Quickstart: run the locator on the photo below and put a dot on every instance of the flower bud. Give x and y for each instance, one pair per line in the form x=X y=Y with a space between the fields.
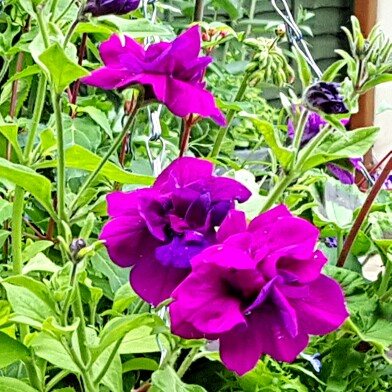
x=106 y=7
x=325 y=97
x=76 y=246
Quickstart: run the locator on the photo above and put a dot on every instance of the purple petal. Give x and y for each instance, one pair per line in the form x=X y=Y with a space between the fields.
x=267 y=218
x=128 y=240
x=112 y=50
x=223 y=188
x=286 y=311
x=276 y=340
x=235 y=222
x=179 y=253
x=323 y=310
x=344 y=176
x=212 y=310
x=154 y=282
x=107 y=78
x=241 y=348
x=183 y=172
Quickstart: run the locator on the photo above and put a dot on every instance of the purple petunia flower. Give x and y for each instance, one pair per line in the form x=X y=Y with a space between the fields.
x=159 y=229
x=325 y=97
x=170 y=71
x=107 y=7
x=260 y=291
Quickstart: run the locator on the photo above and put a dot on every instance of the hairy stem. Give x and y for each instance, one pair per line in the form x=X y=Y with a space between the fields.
x=56 y=379
x=223 y=130
x=16 y=233
x=187 y=361
x=364 y=212
x=198 y=12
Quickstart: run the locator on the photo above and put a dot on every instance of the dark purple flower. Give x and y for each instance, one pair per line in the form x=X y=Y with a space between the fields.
x=312 y=127
x=172 y=70
x=159 y=229
x=325 y=97
x=343 y=174
x=107 y=7
x=260 y=291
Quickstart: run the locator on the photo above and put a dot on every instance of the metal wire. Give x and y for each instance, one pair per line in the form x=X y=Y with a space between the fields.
x=153 y=116
x=295 y=36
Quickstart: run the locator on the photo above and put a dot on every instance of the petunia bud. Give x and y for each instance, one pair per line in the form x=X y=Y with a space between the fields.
x=76 y=246
x=106 y=7
x=325 y=97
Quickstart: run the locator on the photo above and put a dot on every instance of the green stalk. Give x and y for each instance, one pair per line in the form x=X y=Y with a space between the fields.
x=187 y=361
x=104 y=370
x=300 y=129
x=114 y=145
x=16 y=233
x=64 y=313
x=4 y=68
x=56 y=101
x=77 y=307
x=53 y=9
x=296 y=171
x=39 y=105
x=56 y=379
x=223 y=130
x=42 y=26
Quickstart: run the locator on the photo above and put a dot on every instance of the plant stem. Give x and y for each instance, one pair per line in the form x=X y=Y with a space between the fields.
x=56 y=101
x=39 y=105
x=198 y=11
x=64 y=313
x=104 y=370
x=185 y=135
x=56 y=379
x=42 y=26
x=66 y=9
x=364 y=212
x=77 y=307
x=16 y=234
x=296 y=171
x=187 y=361
x=114 y=145
x=82 y=50
x=53 y=9
x=71 y=30
x=4 y=68
x=299 y=131
x=223 y=130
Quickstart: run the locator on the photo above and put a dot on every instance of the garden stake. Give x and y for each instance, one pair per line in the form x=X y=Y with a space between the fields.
x=364 y=212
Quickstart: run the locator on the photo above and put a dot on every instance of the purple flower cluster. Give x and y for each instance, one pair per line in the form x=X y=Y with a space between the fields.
x=171 y=72
x=159 y=229
x=107 y=7
x=259 y=291
x=257 y=288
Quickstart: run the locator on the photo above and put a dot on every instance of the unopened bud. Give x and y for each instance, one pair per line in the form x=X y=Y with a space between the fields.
x=205 y=37
x=224 y=33
x=212 y=31
x=76 y=246
x=280 y=31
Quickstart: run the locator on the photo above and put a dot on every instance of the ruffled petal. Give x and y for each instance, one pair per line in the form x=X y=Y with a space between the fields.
x=154 y=282
x=269 y=217
x=128 y=240
x=234 y=223
x=323 y=310
x=107 y=78
x=241 y=348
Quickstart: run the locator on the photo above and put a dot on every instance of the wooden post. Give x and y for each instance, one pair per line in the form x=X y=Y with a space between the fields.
x=366 y=12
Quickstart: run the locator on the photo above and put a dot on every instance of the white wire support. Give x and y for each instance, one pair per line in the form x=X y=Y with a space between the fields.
x=155 y=129
x=295 y=35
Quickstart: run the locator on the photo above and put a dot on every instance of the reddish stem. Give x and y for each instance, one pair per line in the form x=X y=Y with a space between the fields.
x=75 y=91
x=364 y=212
x=188 y=124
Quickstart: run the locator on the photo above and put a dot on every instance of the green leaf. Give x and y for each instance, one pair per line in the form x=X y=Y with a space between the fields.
x=8 y=384
x=39 y=186
x=28 y=71
x=117 y=276
x=332 y=71
x=4 y=234
x=139 y=364
x=376 y=81
x=381 y=229
x=5 y=210
x=62 y=70
x=29 y=298
x=304 y=71
x=33 y=249
x=11 y=350
x=284 y=155
x=142 y=340
x=79 y=157
x=232 y=7
x=10 y=132
x=167 y=380
x=353 y=144
x=99 y=117
x=49 y=348
x=5 y=310
x=113 y=377
x=124 y=298
x=118 y=327
x=40 y=263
